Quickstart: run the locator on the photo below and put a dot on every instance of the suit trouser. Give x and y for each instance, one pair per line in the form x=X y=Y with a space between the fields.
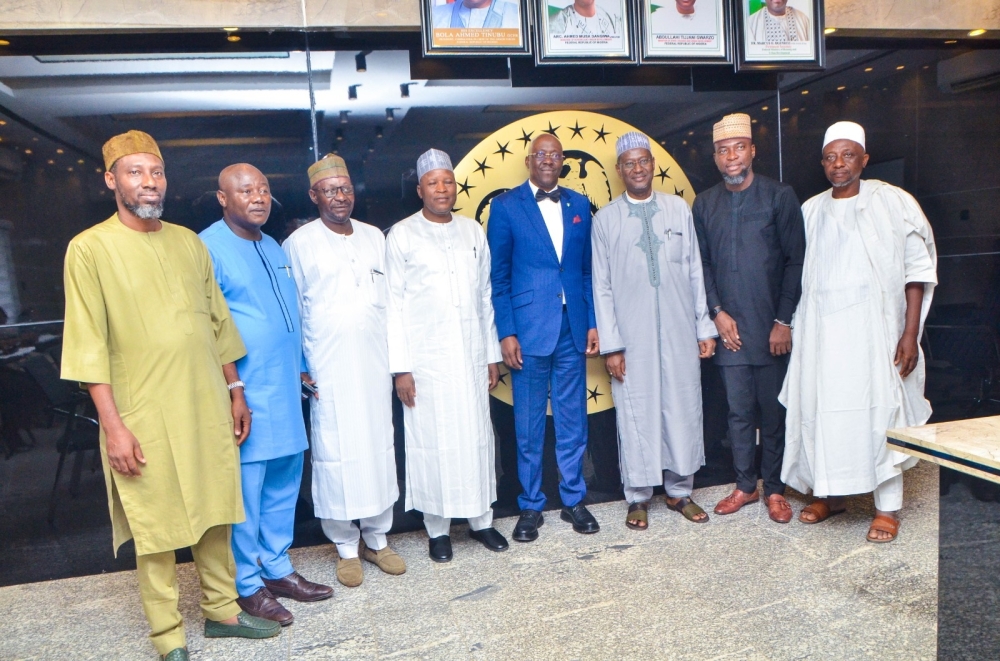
x=438 y=525
x=750 y=388
x=261 y=543
x=345 y=534
x=566 y=369
x=213 y=557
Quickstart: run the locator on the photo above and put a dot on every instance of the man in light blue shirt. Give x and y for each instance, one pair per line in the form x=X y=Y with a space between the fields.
x=255 y=279
x=477 y=14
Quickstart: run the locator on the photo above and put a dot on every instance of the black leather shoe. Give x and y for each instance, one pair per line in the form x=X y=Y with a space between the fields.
x=490 y=538
x=527 y=526
x=581 y=518
x=440 y=548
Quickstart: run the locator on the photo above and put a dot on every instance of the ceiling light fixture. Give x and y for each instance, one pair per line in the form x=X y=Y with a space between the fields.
x=233 y=38
x=59 y=151
x=4 y=42
x=829 y=30
x=784 y=110
x=805 y=92
x=404 y=90
x=80 y=161
x=390 y=115
x=764 y=108
x=868 y=69
x=977 y=32
x=51 y=162
x=230 y=29
x=27 y=151
x=360 y=63
x=352 y=92
x=952 y=41
x=842 y=88
x=343 y=116
x=900 y=67
x=371 y=148
x=340 y=135
x=378 y=131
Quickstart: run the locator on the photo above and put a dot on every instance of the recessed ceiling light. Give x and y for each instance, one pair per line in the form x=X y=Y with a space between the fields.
x=80 y=161
x=753 y=121
x=27 y=151
x=97 y=170
x=764 y=108
x=230 y=29
x=784 y=110
x=952 y=41
x=3 y=123
x=59 y=151
x=690 y=132
x=900 y=67
x=842 y=88
x=4 y=42
x=684 y=142
x=69 y=169
x=867 y=69
x=829 y=30
x=977 y=32
x=51 y=162
x=233 y=38
x=805 y=91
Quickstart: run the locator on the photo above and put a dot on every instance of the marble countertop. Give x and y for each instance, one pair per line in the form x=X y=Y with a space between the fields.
x=971 y=446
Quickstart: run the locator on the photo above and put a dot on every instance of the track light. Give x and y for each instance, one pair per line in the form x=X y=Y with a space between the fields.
x=389 y=116
x=404 y=90
x=360 y=64
x=343 y=116
x=352 y=92
x=340 y=135
x=378 y=131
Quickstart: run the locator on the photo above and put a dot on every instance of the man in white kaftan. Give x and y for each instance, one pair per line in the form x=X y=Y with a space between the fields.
x=649 y=297
x=339 y=264
x=444 y=351
x=856 y=367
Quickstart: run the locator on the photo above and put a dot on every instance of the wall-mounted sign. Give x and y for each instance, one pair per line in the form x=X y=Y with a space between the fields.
x=584 y=31
x=474 y=27
x=685 y=31
x=779 y=34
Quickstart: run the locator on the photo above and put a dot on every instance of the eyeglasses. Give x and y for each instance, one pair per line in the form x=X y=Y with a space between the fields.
x=630 y=165
x=540 y=156
x=330 y=193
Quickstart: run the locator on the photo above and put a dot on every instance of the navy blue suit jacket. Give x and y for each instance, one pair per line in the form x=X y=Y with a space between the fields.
x=527 y=276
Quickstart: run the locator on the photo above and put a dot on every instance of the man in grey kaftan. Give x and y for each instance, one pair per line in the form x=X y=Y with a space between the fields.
x=649 y=297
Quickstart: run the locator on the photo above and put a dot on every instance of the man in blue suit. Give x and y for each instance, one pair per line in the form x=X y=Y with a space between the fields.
x=539 y=237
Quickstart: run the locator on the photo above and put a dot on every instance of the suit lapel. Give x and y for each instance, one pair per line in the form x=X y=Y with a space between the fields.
x=567 y=216
x=534 y=216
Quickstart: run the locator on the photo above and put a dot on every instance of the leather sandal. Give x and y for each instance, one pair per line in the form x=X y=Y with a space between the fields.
x=883 y=523
x=819 y=509
x=689 y=509
x=638 y=512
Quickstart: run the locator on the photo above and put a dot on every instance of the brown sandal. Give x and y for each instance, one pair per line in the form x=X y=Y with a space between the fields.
x=638 y=512
x=689 y=509
x=883 y=523
x=820 y=510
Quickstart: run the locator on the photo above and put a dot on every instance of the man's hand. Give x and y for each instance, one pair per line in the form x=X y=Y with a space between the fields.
x=706 y=348
x=494 y=375
x=308 y=379
x=510 y=349
x=124 y=453
x=406 y=389
x=593 y=343
x=906 y=355
x=730 y=335
x=241 y=415
x=615 y=362
x=781 y=339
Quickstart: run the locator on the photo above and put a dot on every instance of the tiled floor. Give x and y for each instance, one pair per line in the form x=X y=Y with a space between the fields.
x=738 y=588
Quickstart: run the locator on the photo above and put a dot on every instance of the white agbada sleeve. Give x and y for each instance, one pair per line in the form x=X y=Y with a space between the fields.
x=396 y=257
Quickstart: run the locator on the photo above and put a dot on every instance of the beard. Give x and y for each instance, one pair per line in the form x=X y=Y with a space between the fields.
x=845 y=184
x=736 y=179
x=145 y=211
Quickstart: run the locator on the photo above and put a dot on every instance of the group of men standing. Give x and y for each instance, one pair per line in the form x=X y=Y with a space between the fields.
x=161 y=326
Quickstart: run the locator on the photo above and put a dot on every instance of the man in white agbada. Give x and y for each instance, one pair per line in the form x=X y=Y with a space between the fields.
x=649 y=297
x=856 y=367
x=339 y=264
x=443 y=351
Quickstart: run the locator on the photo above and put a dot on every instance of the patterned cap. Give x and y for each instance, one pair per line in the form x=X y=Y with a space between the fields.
x=632 y=140
x=330 y=165
x=432 y=159
x=732 y=126
x=845 y=131
x=126 y=144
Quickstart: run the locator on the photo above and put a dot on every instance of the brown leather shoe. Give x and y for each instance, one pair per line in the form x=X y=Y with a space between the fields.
x=778 y=508
x=734 y=501
x=263 y=604
x=295 y=587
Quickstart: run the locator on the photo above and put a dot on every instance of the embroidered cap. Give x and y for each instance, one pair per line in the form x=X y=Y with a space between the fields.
x=330 y=165
x=632 y=140
x=126 y=144
x=736 y=125
x=433 y=159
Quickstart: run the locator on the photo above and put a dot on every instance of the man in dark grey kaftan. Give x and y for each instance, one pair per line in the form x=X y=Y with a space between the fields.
x=649 y=297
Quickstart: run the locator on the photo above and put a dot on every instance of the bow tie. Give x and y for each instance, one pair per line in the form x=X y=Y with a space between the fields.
x=553 y=195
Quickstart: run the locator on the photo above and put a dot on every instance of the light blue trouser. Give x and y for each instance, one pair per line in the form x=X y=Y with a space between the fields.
x=260 y=544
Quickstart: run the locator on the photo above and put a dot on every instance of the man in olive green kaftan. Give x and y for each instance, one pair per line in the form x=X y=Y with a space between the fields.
x=149 y=332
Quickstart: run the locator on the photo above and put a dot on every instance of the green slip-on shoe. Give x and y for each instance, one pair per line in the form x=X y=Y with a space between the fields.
x=248 y=627
x=179 y=654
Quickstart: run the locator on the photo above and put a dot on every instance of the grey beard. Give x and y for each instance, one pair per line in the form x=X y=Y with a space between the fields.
x=736 y=179
x=845 y=184
x=145 y=211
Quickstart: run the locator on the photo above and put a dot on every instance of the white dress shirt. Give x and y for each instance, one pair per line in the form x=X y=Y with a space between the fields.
x=552 y=215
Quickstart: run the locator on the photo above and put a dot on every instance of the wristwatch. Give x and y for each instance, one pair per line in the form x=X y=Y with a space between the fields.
x=714 y=312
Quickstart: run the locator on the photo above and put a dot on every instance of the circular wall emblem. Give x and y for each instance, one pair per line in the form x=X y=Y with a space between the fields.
x=496 y=165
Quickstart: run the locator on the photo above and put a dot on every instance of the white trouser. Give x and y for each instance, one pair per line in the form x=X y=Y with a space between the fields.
x=438 y=525
x=889 y=494
x=345 y=534
x=676 y=486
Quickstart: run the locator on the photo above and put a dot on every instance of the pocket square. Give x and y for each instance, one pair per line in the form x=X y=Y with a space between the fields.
x=576 y=219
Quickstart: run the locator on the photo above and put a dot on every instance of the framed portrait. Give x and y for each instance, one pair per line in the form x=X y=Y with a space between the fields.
x=685 y=31
x=474 y=27
x=779 y=34
x=584 y=31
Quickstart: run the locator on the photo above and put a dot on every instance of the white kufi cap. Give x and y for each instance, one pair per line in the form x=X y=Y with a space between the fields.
x=632 y=140
x=845 y=131
x=433 y=159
